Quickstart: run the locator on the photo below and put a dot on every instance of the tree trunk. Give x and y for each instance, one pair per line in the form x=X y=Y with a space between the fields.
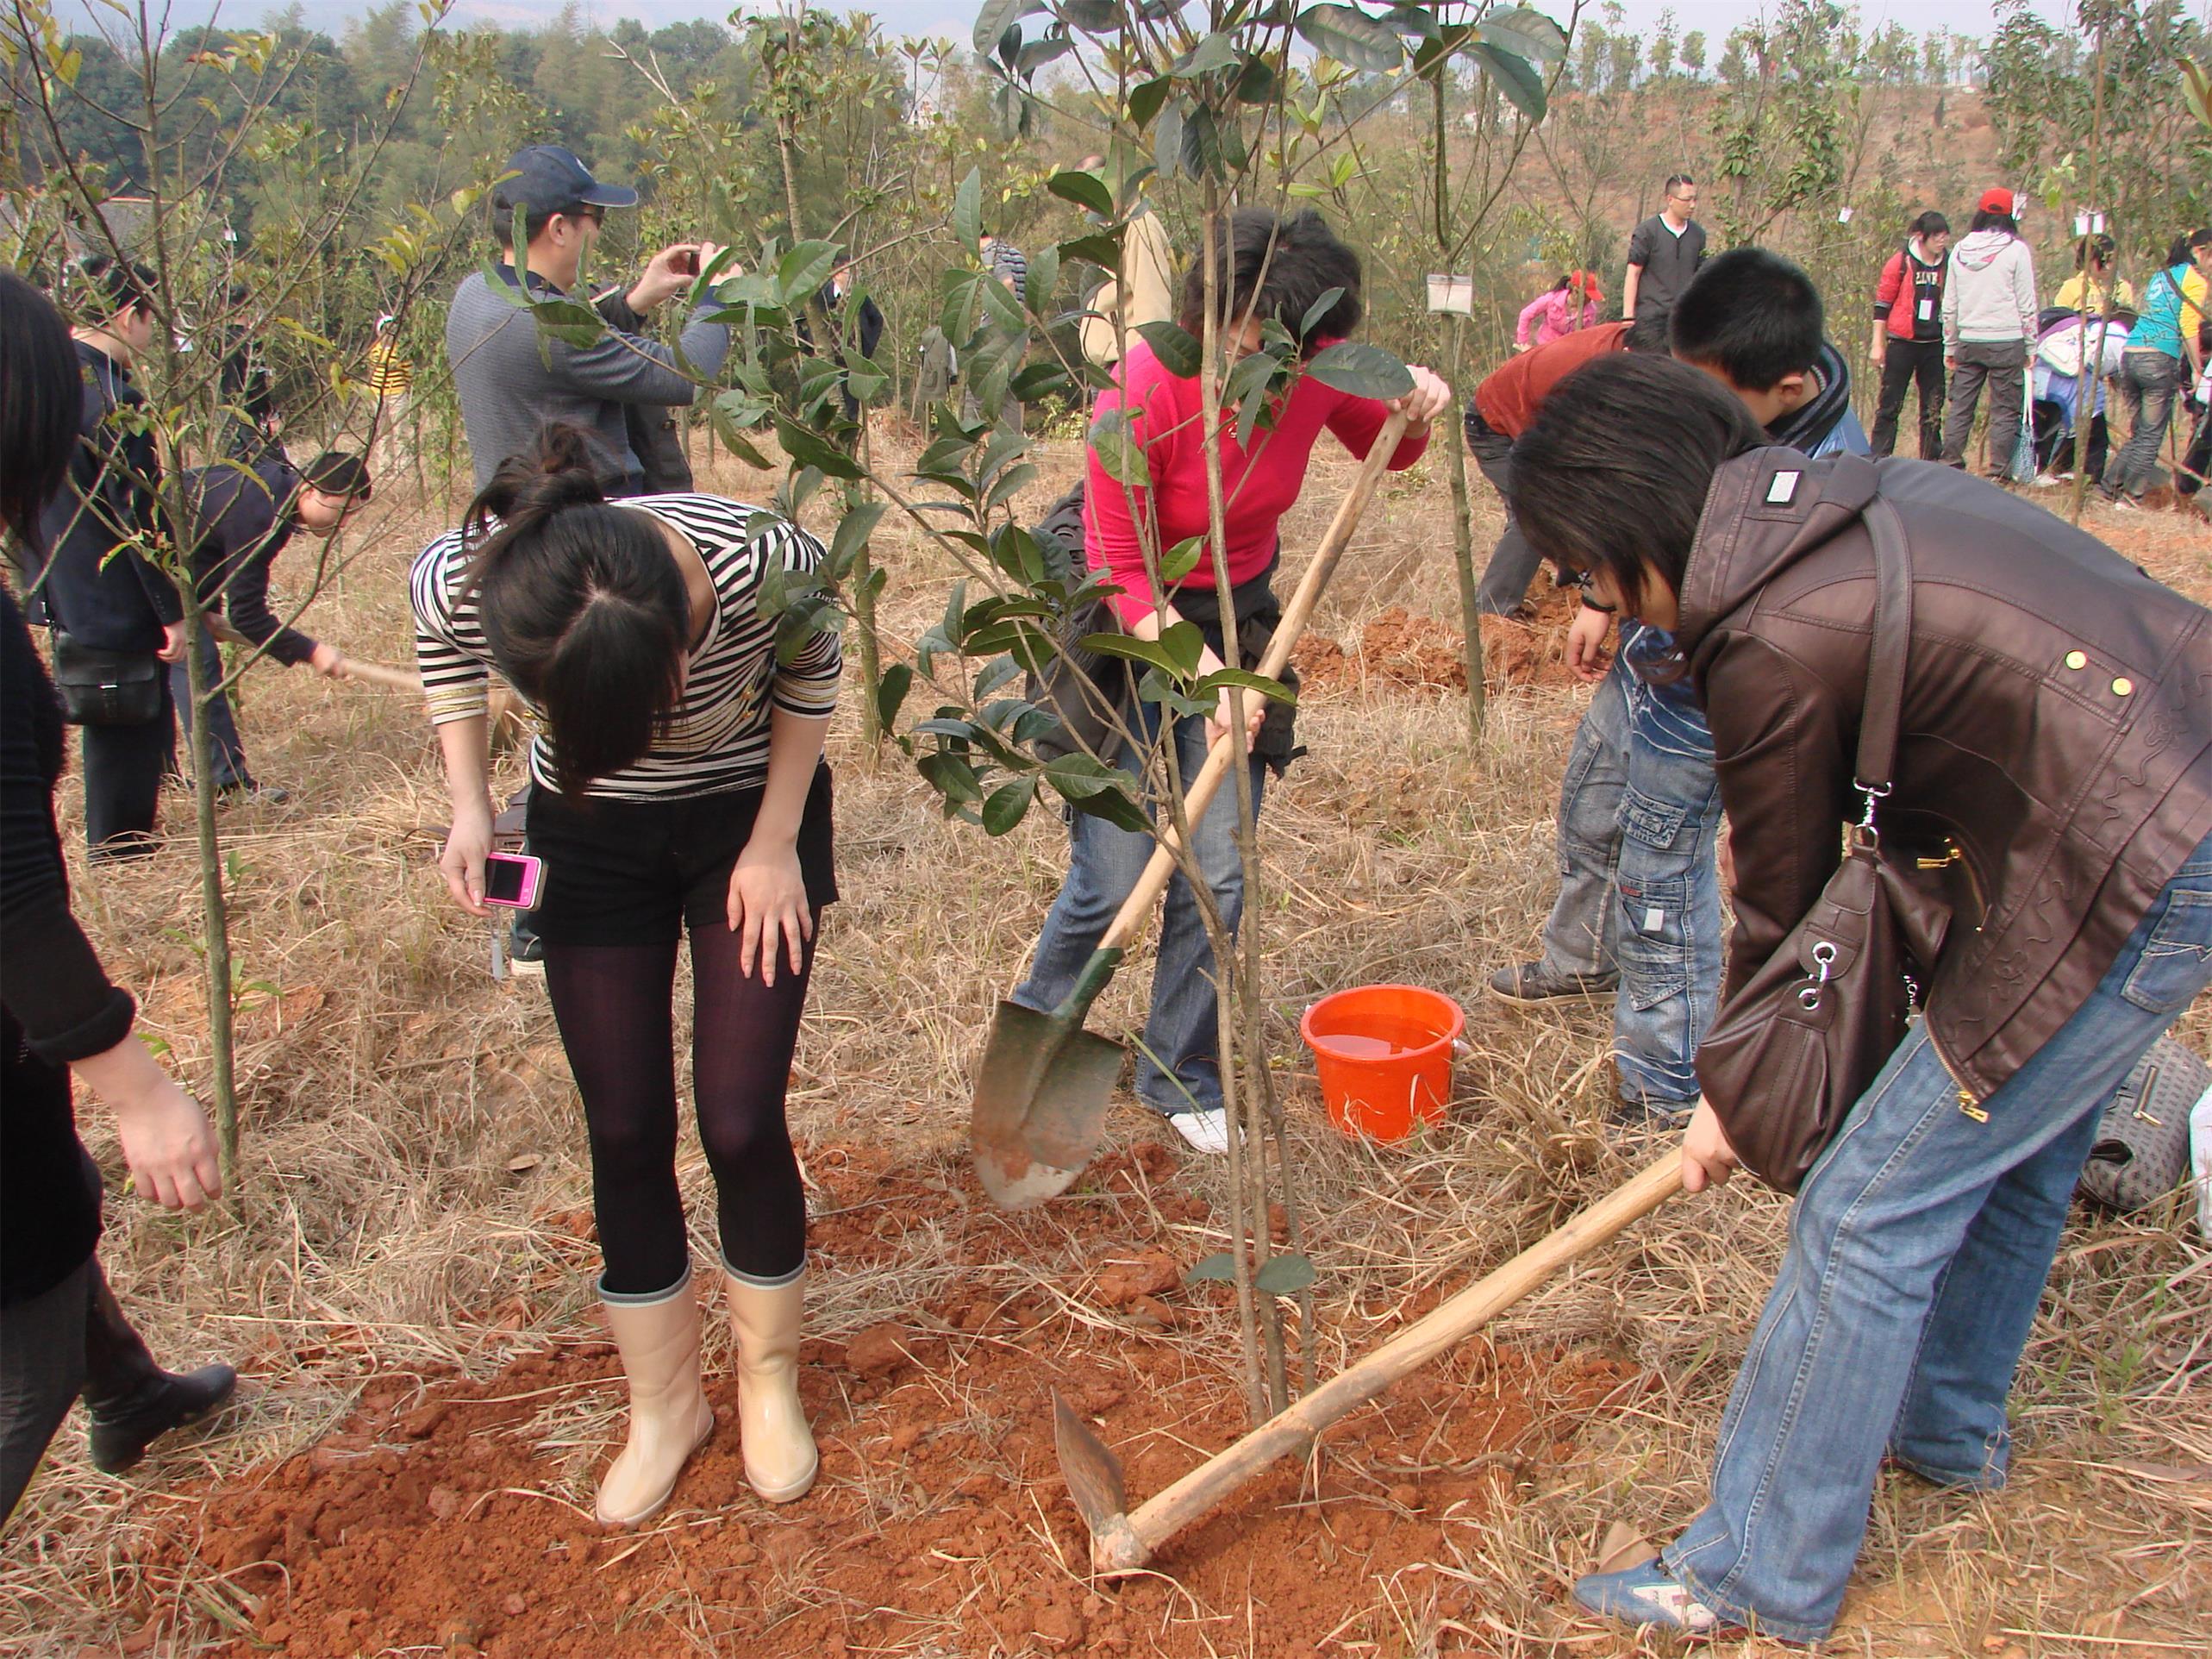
x=215 y=913
x=1463 y=555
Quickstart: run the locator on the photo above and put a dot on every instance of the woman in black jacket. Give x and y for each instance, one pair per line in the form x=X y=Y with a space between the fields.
x=98 y=592
x=61 y=1332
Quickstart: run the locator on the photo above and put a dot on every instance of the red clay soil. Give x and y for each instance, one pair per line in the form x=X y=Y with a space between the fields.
x=432 y=1521
x=1416 y=653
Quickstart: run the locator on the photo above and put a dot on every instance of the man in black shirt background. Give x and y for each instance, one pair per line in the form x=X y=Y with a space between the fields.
x=1664 y=254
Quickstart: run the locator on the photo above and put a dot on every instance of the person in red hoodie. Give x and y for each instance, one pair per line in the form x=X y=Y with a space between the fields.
x=1909 y=335
x=1275 y=269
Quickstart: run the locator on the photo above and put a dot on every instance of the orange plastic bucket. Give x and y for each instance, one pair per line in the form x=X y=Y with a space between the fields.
x=1384 y=1056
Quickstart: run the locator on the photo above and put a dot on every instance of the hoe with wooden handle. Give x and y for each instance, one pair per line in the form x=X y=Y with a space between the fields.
x=1040 y=1106
x=367 y=673
x=1123 y=1543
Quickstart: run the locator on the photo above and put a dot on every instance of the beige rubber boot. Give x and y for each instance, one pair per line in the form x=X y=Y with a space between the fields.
x=669 y=1415
x=780 y=1459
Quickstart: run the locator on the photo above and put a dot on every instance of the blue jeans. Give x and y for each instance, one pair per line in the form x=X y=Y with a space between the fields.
x=222 y=723
x=1640 y=813
x=1179 y=1067
x=1918 y=1249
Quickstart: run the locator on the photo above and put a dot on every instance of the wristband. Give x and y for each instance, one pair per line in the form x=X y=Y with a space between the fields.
x=1589 y=603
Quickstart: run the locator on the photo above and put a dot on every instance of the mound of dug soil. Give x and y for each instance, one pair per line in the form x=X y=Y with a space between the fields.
x=454 y=1516
x=1416 y=652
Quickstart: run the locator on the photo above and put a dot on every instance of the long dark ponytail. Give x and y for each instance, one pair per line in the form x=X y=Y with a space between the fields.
x=583 y=604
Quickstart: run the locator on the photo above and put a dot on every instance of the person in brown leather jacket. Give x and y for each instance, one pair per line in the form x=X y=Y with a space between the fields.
x=2055 y=758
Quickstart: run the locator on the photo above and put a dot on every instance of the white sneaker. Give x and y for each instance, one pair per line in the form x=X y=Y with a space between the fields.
x=1203 y=1132
x=2047 y=481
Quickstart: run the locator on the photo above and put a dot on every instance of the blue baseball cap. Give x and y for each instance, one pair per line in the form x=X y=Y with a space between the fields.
x=547 y=179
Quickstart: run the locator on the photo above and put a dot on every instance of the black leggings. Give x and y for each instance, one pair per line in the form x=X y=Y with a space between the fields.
x=614 y=1006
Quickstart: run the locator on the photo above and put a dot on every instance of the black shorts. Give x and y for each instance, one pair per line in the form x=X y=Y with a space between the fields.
x=638 y=873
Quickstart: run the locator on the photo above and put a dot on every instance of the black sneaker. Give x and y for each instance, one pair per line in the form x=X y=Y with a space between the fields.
x=1632 y=1116
x=123 y=1429
x=245 y=790
x=1526 y=985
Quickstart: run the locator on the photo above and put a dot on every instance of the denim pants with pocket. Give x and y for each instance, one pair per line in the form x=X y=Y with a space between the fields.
x=1179 y=1067
x=1918 y=1249
x=1640 y=814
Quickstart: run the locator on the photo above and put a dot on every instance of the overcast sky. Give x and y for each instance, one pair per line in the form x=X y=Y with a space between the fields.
x=957 y=17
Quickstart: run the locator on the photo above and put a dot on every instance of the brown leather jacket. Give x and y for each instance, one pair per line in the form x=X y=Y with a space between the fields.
x=2054 y=766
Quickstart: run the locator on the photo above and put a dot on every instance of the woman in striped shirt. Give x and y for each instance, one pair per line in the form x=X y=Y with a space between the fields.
x=680 y=784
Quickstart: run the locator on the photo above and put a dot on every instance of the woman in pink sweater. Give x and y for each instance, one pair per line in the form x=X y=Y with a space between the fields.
x=1571 y=303
x=1276 y=269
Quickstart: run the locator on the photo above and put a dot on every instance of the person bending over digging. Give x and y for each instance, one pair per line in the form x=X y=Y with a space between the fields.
x=1273 y=269
x=679 y=785
x=62 y=1332
x=243 y=516
x=1638 y=907
x=2055 y=760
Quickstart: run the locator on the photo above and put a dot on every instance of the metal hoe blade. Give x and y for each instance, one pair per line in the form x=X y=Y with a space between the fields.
x=1093 y=1473
x=1041 y=1101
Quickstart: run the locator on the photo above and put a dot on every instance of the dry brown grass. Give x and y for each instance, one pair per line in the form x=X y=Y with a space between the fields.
x=392 y=1220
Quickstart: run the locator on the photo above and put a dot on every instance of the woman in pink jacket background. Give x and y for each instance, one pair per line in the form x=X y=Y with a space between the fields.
x=1571 y=303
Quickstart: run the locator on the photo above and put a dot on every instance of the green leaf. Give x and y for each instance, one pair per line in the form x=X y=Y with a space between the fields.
x=1118 y=451
x=1146 y=99
x=1086 y=189
x=1285 y=1276
x=892 y=690
x=1185 y=643
x=1525 y=34
x=1219 y=1268
x=1130 y=649
x=1215 y=52
x=1035 y=54
x=1008 y=804
x=1351 y=37
x=967 y=218
x=1181 y=559
x=1167 y=140
x=1514 y=76
x=994 y=19
x=803 y=270
x=1249 y=682
x=1257 y=83
x=1362 y=370
x=852 y=533
x=1078 y=777
x=1320 y=308
x=1092 y=16
x=1044 y=277
x=996 y=674
x=1104 y=252
x=1177 y=347
x=1117 y=807
x=950 y=776
x=804 y=447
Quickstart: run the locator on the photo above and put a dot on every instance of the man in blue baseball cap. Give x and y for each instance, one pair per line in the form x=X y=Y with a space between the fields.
x=510 y=382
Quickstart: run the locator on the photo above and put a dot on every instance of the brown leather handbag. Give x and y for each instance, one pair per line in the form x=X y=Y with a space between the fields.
x=1793 y=1051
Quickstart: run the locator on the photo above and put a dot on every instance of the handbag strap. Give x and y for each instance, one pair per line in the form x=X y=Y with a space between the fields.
x=1886 y=652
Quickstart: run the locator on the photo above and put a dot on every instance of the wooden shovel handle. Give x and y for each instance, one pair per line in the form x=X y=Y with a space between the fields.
x=1129 y=921
x=1294 y=1427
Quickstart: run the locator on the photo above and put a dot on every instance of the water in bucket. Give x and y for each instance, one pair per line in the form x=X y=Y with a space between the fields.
x=1384 y=1056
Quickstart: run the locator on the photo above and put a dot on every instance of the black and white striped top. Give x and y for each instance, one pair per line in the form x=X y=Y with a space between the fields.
x=719 y=739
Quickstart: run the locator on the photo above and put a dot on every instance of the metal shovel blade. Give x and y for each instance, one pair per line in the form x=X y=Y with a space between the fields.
x=1093 y=1473
x=1040 y=1110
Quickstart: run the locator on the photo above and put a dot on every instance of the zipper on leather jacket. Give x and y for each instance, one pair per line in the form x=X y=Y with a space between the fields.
x=1969 y=1102
x=1954 y=854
